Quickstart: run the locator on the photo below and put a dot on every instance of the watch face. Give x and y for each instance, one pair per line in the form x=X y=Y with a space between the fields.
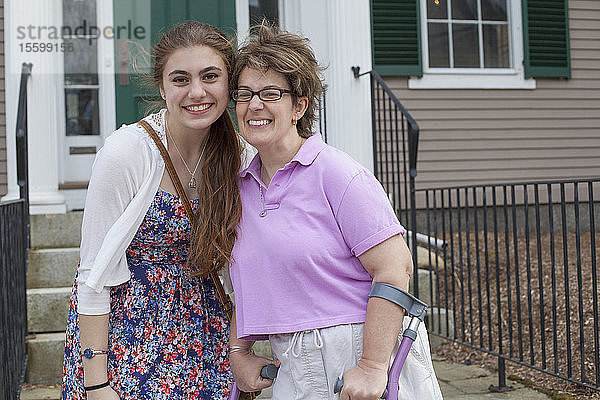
x=88 y=353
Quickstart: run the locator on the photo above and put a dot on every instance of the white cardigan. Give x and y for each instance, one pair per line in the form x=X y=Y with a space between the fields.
x=125 y=178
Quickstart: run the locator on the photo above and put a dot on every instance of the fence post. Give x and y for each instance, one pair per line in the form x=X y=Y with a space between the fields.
x=21 y=139
x=413 y=144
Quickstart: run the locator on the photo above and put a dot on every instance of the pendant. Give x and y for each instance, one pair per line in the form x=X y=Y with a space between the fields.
x=263 y=213
x=192 y=183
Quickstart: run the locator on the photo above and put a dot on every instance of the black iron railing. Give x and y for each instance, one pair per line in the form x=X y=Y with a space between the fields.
x=513 y=267
x=395 y=146
x=518 y=278
x=14 y=246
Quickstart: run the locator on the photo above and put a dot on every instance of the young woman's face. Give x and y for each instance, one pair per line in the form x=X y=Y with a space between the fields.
x=195 y=87
x=267 y=124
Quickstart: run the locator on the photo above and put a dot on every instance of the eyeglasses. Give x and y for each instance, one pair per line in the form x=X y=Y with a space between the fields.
x=267 y=94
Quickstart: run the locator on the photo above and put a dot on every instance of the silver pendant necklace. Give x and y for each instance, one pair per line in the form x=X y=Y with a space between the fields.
x=192 y=182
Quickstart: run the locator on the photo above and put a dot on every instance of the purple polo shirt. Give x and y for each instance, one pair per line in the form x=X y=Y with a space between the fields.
x=296 y=268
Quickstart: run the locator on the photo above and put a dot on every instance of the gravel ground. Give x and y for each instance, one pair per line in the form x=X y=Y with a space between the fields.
x=533 y=302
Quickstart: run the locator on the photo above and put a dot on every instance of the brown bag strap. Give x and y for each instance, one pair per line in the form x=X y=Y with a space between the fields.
x=223 y=297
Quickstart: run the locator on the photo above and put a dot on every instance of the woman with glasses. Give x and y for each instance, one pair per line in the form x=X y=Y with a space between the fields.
x=316 y=230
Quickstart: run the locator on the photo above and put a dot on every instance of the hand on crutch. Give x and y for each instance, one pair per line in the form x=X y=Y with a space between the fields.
x=415 y=309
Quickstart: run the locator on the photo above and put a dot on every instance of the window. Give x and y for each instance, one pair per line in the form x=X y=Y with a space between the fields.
x=471 y=44
x=81 y=68
x=263 y=9
x=468 y=34
x=443 y=44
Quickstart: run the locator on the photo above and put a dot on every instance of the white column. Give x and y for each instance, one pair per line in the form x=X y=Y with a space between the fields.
x=30 y=21
x=349 y=99
x=340 y=34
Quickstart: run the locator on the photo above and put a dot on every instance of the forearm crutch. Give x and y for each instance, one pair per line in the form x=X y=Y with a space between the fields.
x=415 y=309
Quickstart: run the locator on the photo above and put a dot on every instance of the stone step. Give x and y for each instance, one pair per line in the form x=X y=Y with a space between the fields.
x=436 y=323
x=56 y=230
x=52 y=267
x=427 y=280
x=47 y=309
x=41 y=392
x=45 y=358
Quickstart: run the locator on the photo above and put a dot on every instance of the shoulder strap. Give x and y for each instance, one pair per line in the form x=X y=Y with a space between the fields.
x=223 y=297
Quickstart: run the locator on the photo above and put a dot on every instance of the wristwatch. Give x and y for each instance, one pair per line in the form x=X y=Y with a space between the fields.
x=91 y=353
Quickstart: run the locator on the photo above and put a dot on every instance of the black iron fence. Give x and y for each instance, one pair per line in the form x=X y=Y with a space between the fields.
x=513 y=266
x=395 y=145
x=14 y=246
x=517 y=274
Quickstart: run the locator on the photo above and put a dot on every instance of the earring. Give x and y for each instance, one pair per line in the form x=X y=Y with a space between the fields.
x=294 y=121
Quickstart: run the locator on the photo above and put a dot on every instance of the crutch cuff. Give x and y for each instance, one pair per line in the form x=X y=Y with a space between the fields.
x=413 y=306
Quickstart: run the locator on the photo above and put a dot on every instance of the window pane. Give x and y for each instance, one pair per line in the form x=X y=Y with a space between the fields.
x=81 y=64
x=260 y=9
x=438 y=45
x=493 y=10
x=437 y=11
x=464 y=9
x=77 y=11
x=465 y=44
x=82 y=112
x=495 y=46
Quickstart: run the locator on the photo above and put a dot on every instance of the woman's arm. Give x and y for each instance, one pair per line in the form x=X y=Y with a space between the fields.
x=388 y=262
x=93 y=331
x=244 y=364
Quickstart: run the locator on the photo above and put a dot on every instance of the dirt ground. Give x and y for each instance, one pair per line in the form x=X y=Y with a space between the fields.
x=532 y=304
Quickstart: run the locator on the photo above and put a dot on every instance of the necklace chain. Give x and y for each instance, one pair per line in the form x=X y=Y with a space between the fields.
x=192 y=182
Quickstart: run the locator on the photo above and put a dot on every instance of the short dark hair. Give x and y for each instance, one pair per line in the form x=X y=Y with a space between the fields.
x=270 y=48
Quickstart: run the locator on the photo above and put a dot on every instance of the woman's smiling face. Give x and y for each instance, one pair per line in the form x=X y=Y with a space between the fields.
x=267 y=124
x=195 y=87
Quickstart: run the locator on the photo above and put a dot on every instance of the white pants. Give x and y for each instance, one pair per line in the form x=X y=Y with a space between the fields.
x=311 y=361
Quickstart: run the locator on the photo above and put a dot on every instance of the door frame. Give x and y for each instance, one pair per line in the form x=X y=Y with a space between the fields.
x=75 y=193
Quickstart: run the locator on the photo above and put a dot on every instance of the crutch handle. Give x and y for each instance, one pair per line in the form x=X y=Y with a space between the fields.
x=269 y=371
x=339 y=384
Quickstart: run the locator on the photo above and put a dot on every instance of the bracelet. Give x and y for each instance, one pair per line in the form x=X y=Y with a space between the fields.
x=94 y=387
x=234 y=348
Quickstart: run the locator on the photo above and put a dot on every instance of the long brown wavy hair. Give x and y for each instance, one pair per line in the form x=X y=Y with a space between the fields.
x=219 y=207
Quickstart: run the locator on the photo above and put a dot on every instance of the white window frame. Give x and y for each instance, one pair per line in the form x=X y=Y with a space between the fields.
x=477 y=78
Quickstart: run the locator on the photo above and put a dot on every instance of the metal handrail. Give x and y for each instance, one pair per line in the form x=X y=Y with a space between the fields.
x=14 y=248
x=380 y=116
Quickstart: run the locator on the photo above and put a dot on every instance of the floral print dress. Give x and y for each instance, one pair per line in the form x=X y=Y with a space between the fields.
x=167 y=332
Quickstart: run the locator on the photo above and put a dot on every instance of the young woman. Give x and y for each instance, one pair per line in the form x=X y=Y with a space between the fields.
x=316 y=230
x=143 y=323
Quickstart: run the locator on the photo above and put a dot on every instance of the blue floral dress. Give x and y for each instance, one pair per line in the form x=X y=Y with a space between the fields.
x=167 y=332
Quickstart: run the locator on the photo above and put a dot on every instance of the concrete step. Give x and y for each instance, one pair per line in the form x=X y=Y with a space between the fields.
x=427 y=280
x=429 y=259
x=52 y=267
x=436 y=323
x=56 y=230
x=45 y=358
x=40 y=392
x=47 y=309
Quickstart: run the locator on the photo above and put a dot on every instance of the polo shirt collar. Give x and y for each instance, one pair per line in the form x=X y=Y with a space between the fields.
x=306 y=156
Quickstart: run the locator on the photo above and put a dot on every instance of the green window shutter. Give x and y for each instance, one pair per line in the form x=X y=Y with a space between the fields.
x=396 y=37
x=546 y=38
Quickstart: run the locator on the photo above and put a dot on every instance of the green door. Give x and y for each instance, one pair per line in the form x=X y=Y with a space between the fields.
x=138 y=24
